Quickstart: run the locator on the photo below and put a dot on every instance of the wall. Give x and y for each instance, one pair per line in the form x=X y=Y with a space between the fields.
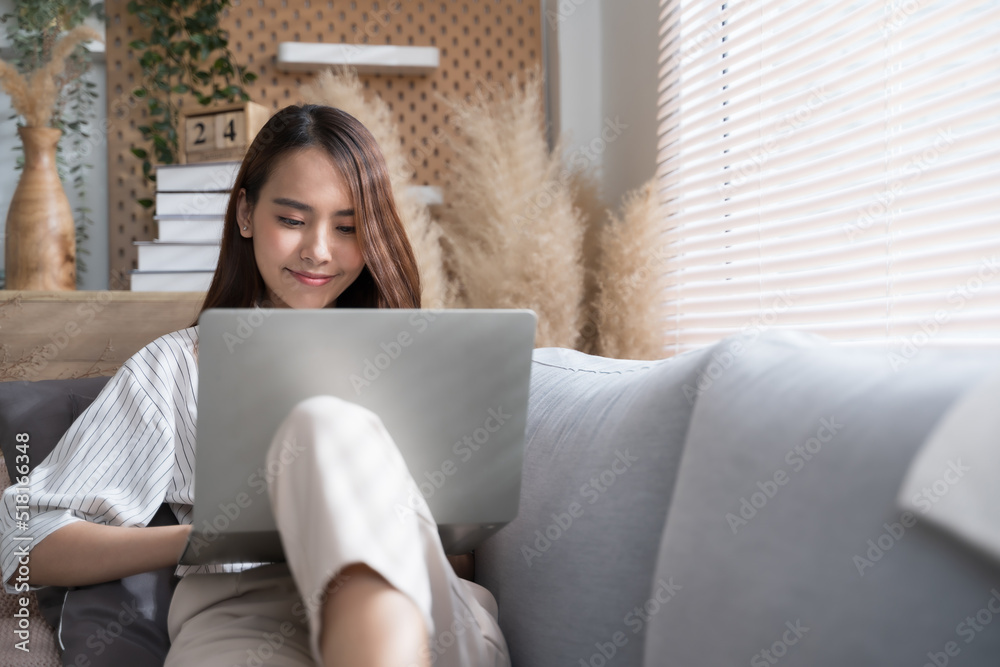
x=479 y=41
x=602 y=66
x=628 y=93
x=575 y=71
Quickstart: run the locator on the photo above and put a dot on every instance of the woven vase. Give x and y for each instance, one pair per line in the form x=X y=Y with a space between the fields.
x=40 y=251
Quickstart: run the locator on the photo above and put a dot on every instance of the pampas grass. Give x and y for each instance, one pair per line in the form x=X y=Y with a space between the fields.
x=343 y=89
x=630 y=283
x=521 y=228
x=34 y=96
x=594 y=214
x=15 y=86
x=512 y=232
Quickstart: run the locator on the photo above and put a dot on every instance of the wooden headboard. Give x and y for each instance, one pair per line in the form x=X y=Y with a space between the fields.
x=50 y=335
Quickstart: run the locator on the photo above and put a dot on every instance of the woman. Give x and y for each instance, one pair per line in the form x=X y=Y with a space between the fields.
x=312 y=224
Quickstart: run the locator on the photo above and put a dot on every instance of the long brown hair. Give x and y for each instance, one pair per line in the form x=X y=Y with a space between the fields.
x=389 y=278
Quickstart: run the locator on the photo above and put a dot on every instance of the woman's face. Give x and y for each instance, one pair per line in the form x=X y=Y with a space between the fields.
x=303 y=231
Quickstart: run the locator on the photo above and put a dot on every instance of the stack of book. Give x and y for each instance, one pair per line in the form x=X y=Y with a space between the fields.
x=191 y=202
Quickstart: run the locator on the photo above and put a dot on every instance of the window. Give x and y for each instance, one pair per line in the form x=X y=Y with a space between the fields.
x=832 y=167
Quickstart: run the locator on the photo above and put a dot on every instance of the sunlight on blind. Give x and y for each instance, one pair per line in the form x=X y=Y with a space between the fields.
x=832 y=167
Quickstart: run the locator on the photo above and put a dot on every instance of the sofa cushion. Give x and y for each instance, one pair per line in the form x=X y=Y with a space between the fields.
x=122 y=622
x=42 y=410
x=114 y=623
x=603 y=442
x=784 y=532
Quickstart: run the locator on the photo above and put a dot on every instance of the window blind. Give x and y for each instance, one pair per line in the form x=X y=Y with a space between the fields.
x=832 y=167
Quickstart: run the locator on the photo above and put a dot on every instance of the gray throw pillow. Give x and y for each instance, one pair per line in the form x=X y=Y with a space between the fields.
x=42 y=410
x=603 y=444
x=115 y=623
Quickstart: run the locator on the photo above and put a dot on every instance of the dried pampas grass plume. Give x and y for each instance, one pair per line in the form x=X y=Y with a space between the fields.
x=343 y=89
x=513 y=233
x=15 y=86
x=584 y=186
x=34 y=97
x=630 y=279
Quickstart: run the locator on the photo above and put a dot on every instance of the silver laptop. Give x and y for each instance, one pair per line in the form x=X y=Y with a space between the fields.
x=451 y=387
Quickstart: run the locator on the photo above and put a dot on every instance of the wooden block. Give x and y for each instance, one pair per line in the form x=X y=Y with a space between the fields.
x=199 y=134
x=212 y=134
x=229 y=128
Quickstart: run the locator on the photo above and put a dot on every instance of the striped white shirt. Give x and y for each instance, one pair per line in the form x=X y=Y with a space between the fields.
x=129 y=452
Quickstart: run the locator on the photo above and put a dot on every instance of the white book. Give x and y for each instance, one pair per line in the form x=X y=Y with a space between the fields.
x=193 y=228
x=191 y=203
x=178 y=256
x=171 y=281
x=202 y=177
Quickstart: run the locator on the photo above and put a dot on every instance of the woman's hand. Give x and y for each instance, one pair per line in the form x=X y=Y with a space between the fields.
x=464 y=565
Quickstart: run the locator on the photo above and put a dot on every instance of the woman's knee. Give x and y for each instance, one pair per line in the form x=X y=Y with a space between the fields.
x=325 y=407
x=320 y=420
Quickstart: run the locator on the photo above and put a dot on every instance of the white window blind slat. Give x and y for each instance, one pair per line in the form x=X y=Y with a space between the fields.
x=970 y=261
x=862 y=214
x=941 y=304
x=724 y=233
x=739 y=33
x=909 y=165
x=743 y=71
x=810 y=116
x=858 y=206
x=826 y=246
x=784 y=159
x=928 y=283
x=969 y=219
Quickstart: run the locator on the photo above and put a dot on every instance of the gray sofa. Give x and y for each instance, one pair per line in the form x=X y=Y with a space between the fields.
x=737 y=505
x=733 y=505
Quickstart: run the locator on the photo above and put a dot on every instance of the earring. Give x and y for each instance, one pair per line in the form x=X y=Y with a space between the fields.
x=244 y=227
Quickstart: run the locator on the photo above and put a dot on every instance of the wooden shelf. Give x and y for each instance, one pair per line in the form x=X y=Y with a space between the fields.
x=366 y=58
x=427 y=194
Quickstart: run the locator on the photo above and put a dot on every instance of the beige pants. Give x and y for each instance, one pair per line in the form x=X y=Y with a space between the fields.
x=342 y=494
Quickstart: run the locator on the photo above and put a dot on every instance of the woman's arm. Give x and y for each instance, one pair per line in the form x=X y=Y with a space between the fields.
x=84 y=553
x=129 y=451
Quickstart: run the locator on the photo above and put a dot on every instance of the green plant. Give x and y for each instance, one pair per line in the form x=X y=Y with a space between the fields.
x=33 y=29
x=186 y=53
